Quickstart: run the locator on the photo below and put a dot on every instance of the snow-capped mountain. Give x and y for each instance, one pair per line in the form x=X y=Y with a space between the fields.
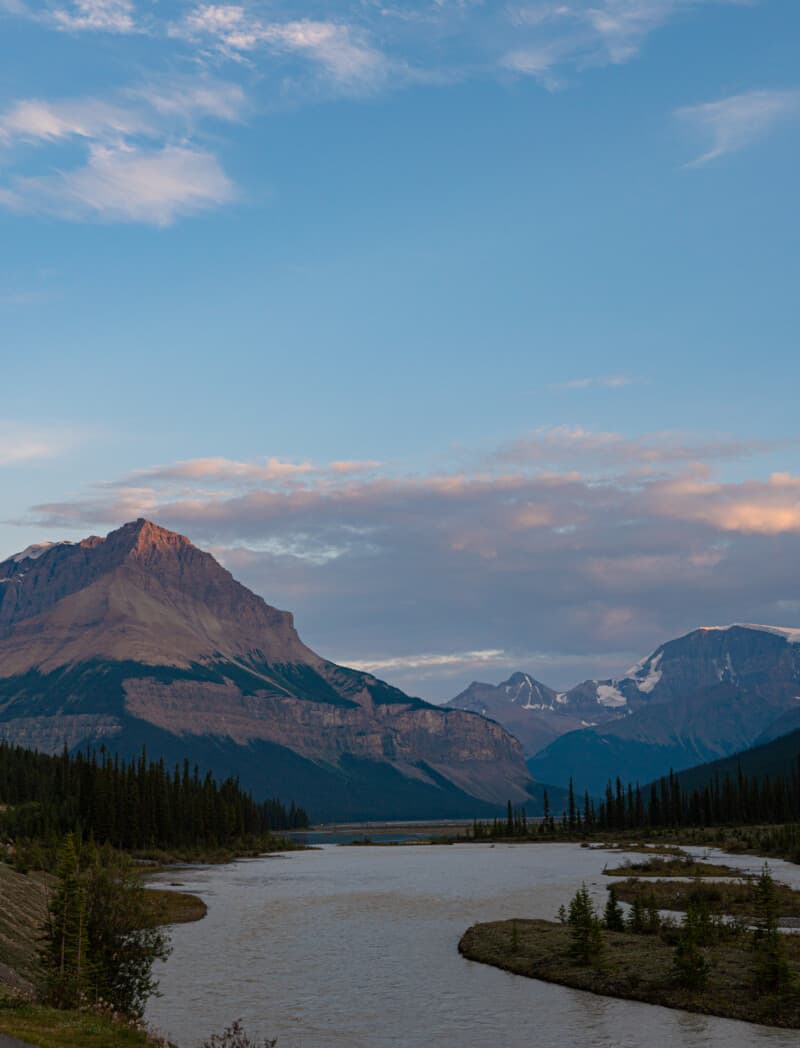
x=702 y=696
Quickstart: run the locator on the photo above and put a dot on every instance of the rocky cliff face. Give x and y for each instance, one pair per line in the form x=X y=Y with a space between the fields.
x=143 y=638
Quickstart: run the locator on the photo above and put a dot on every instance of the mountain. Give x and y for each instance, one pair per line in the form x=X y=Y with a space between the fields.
x=778 y=758
x=706 y=695
x=530 y=710
x=141 y=639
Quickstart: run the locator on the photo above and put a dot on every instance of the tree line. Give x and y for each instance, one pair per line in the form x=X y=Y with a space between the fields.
x=726 y=800
x=131 y=805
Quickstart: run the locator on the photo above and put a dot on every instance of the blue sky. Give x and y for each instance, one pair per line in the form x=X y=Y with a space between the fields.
x=467 y=331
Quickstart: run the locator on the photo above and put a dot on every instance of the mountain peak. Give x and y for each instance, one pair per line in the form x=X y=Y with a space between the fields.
x=143 y=536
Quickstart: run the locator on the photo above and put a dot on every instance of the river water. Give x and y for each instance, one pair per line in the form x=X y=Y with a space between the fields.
x=356 y=948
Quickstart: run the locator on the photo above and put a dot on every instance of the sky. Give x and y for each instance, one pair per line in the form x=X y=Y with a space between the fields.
x=467 y=331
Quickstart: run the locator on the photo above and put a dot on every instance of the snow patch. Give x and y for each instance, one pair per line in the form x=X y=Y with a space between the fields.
x=652 y=674
x=792 y=635
x=608 y=695
x=35 y=551
x=525 y=683
x=561 y=698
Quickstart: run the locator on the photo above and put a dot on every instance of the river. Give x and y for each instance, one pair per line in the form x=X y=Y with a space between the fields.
x=356 y=948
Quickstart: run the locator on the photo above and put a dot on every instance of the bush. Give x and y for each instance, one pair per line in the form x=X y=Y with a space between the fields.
x=235 y=1036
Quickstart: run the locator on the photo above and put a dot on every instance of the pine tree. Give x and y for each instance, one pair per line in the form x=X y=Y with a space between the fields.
x=65 y=949
x=689 y=966
x=771 y=968
x=613 y=916
x=637 y=917
x=586 y=936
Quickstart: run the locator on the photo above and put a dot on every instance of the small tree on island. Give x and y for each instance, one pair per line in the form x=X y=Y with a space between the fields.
x=586 y=933
x=637 y=917
x=689 y=965
x=613 y=916
x=771 y=968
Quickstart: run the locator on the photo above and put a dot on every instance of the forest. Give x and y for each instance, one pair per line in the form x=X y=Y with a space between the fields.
x=131 y=805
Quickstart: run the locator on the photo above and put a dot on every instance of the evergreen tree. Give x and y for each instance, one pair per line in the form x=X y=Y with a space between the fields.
x=586 y=936
x=637 y=917
x=689 y=966
x=772 y=972
x=613 y=916
x=65 y=949
x=571 y=805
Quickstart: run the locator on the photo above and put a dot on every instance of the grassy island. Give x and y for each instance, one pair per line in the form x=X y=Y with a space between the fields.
x=638 y=968
x=678 y=865
x=741 y=968
x=732 y=899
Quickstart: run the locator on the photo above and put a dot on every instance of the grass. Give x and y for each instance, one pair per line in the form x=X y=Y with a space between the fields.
x=171 y=907
x=637 y=967
x=677 y=866
x=54 y=1028
x=161 y=858
x=643 y=849
x=719 y=897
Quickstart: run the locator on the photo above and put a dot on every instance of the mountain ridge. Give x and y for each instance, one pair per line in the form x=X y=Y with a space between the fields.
x=698 y=697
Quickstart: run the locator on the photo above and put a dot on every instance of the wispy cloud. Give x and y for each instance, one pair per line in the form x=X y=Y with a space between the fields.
x=140 y=166
x=144 y=142
x=37 y=120
x=341 y=52
x=734 y=123
x=225 y=470
x=110 y=16
x=127 y=184
x=20 y=443
x=430 y=661
x=589 y=450
x=556 y=38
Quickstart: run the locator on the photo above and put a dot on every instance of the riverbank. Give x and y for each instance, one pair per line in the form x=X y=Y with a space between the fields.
x=22 y=918
x=636 y=968
x=44 y=1027
x=779 y=841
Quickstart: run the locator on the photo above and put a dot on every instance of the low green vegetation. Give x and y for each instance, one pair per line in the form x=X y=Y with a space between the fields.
x=53 y=1028
x=163 y=906
x=734 y=899
x=681 y=865
x=704 y=964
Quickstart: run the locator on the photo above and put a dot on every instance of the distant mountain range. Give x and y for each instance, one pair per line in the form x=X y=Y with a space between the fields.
x=711 y=693
x=141 y=639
